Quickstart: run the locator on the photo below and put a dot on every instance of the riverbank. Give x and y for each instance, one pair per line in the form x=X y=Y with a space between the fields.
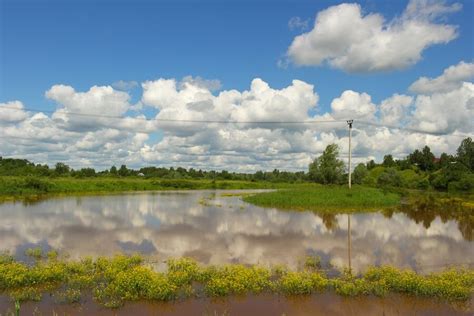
x=114 y=281
x=24 y=187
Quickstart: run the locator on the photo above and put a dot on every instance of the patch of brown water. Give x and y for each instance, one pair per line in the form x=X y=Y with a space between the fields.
x=323 y=304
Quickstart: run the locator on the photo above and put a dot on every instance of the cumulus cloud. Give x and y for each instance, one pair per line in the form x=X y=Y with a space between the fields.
x=107 y=133
x=451 y=79
x=394 y=109
x=446 y=112
x=353 y=105
x=347 y=39
x=90 y=105
x=12 y=112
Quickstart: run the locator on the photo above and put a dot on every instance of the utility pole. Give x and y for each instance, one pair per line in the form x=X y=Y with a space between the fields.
x=349 y=246
x=349 y=122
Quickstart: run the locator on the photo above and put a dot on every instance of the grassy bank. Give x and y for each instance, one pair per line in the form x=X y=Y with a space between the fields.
x=112 y=281
x=11 y=187
x=325 y=198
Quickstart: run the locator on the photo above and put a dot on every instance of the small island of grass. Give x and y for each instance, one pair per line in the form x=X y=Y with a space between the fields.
x=326 y=198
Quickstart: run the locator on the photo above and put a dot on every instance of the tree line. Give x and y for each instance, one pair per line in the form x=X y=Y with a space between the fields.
x=419 y=170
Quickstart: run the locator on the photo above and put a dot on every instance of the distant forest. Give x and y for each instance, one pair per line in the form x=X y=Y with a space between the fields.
x=419 y=170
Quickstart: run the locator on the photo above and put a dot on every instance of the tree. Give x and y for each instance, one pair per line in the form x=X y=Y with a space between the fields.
x=113 y=170
x=327 y=169
x=465 y=153
x=61 y=169
x=444 y=160
x=389 y=178
x=424 y=159
x=360 y=172
x=123 y=171
x=428 y=159
x=388 y=161
x=371 y=165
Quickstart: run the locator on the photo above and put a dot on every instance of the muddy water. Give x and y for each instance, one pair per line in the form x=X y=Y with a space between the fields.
x=323 y=304
x=215 y=228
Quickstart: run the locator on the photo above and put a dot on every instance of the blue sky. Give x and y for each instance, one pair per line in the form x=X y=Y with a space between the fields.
x=53 y=52
x=86 y=43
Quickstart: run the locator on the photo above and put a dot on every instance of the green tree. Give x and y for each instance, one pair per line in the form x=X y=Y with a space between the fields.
x=444 y=160
x=113 y=170
x=424 y=159
x=389 y=178
x=388 y=161
x=360 y=172
x=327 y=169
x=428 y=159
x=465 y=153
x=123 y=171
x=371 y=165
x=61 y=169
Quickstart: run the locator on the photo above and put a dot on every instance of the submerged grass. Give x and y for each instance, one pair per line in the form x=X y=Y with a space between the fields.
x=113 y=281
x=326 y=198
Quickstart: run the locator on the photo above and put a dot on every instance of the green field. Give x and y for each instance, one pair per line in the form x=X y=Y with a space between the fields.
x=326 y=198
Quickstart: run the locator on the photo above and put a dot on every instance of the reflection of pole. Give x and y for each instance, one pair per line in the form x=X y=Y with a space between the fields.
x=349 y=122
x=349 y=246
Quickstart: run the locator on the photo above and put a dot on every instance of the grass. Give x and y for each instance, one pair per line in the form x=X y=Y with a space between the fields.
x=14 y=187
x=113 y=281
x=326 y=198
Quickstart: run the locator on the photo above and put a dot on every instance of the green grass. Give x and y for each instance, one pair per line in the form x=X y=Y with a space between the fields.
x=12 y=187
x=325 y=198
x=113 y=281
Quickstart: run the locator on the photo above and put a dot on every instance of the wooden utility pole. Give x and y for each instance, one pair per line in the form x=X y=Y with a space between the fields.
x=349 y=245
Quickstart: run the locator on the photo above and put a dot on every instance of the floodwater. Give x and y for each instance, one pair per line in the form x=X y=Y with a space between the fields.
x=215 y=228
x=321 y=304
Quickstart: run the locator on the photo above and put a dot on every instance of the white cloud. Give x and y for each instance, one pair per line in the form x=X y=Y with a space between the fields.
x=349 y=40
x=141 y=140
x=12 y=112
x=394 y=109
x=98 y=101
x=211 y=85
x=446 y=112
x=353 y=105
x=451 y=79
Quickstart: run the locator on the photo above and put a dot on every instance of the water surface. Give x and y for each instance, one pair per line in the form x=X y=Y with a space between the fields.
x=215 y=228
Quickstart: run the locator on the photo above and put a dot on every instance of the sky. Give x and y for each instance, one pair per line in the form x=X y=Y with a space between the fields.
x=89 y=83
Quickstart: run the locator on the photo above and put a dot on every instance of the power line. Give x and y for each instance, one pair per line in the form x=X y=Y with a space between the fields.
x=408 y=129
x=175 y=120
x=116 y=117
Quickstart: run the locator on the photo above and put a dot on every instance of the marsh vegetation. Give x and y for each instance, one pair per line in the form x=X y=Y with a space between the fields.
x=113 y=281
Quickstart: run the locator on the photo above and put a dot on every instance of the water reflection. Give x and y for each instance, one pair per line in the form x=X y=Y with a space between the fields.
x=217 y=229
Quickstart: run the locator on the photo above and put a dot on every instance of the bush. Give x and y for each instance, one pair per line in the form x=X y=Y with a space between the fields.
x=389 y=178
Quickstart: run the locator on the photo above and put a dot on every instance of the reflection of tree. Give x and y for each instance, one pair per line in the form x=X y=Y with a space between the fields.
x=425 y=209
x=329 y=220
x=466 y=228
